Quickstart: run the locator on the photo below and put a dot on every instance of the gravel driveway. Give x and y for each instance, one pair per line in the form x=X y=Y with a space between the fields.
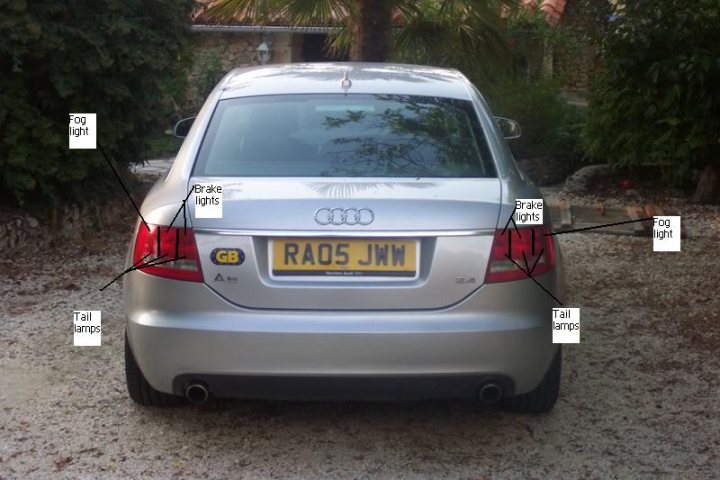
x=640 y=395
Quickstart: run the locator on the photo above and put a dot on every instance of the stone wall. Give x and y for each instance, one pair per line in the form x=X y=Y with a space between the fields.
x=234 y=50
x=576 y=60
x=52 y=226
x=215 y=54
x=18 y=228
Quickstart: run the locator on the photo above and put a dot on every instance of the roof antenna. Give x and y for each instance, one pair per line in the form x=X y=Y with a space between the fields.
x=346 y=82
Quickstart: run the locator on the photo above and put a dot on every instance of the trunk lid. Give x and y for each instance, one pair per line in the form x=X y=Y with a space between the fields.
x=447 y=224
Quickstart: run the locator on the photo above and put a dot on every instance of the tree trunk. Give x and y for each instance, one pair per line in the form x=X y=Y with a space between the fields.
x=371 y=31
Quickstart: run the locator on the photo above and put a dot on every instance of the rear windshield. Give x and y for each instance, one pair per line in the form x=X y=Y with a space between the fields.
x=344 y=136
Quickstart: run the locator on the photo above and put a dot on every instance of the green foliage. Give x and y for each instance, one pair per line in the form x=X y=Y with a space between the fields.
x=550 y=126
x=596 y=13
x=345 y=14
x=110 y=57
x=161 y=145
x=657 y=101
x=174 y=88
x=210 y=70
x=468 y=35
x=530 y=38
x=531 y=24
x=504 y=62
x=432 y=29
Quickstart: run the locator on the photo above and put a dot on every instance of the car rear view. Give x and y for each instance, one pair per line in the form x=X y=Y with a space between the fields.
x=361 y=249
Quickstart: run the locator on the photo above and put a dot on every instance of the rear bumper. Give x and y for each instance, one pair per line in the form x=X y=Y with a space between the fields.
x=357 y=387
x=501 y=332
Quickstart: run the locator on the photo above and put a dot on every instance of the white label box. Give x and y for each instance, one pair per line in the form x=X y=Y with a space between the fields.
x=566 y=325
x=87 y=330
x=82 y=132
x=666 y=234
x=529 y=211
x=208 y=200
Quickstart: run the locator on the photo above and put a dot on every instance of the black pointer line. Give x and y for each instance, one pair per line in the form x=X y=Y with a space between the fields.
x=177 y=241
x=135 y=266
x=508 y=222
x=123 y=273
x=113 y=280
x=149 y=263
x=176 y=215
x=510 y=234
x=117 y=175
x=517 y=230
x=184 y=221
x=136 y=263
x=511 y=219
x=160 y=263
x=532 y=242
x=527 y=267
x=510 y=243
x=536 y=261
x=536 y=282
x=600 y=226
x=182 y=207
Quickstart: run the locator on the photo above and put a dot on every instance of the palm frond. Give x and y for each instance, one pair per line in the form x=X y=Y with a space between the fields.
x=408 y=8
x=256 y=11
x=465 y=34
x=329 y=12
x=338 y=42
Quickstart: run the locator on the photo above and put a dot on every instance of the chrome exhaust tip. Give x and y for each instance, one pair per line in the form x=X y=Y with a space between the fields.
x=490 y=393
x=197 y=393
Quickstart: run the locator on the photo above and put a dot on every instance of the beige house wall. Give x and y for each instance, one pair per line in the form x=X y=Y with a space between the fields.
x=287 y=48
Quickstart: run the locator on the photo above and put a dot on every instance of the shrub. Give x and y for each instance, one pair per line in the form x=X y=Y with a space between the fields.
x=208 y=71
x=656 y=103
x=110 y=57
x=550 y=126
x=507 y=67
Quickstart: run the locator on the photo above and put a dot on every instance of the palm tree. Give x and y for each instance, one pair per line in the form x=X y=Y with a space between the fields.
x=366 y=25
x=370 y=28
x=469 y=35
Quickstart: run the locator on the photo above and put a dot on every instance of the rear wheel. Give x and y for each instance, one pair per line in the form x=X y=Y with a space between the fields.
x=139 y=389
x=543 y=398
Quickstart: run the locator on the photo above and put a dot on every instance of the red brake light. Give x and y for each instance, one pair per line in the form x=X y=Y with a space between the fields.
x=168 y=252
x=530 y=249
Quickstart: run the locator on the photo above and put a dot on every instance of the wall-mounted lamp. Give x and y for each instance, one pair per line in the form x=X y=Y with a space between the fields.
x=264 y=50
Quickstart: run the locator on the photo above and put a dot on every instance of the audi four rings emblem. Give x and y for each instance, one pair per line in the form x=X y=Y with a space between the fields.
x=344 y=216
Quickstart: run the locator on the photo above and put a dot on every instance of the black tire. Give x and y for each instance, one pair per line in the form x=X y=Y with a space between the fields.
x=139 y=389
x=543 y=398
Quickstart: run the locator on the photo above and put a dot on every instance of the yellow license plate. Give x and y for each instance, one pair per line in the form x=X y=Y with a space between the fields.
x=344 y=257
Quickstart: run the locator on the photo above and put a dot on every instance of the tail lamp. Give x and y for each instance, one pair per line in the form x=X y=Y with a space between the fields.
x=519 y=253
x=168 y=252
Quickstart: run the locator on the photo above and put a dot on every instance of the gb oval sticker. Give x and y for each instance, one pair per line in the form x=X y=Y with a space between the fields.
x=227 y=256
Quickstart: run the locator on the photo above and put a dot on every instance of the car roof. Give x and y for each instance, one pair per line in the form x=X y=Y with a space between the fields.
x=372 y=78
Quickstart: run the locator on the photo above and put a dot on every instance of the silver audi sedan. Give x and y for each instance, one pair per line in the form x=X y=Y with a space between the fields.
x=342 y=231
